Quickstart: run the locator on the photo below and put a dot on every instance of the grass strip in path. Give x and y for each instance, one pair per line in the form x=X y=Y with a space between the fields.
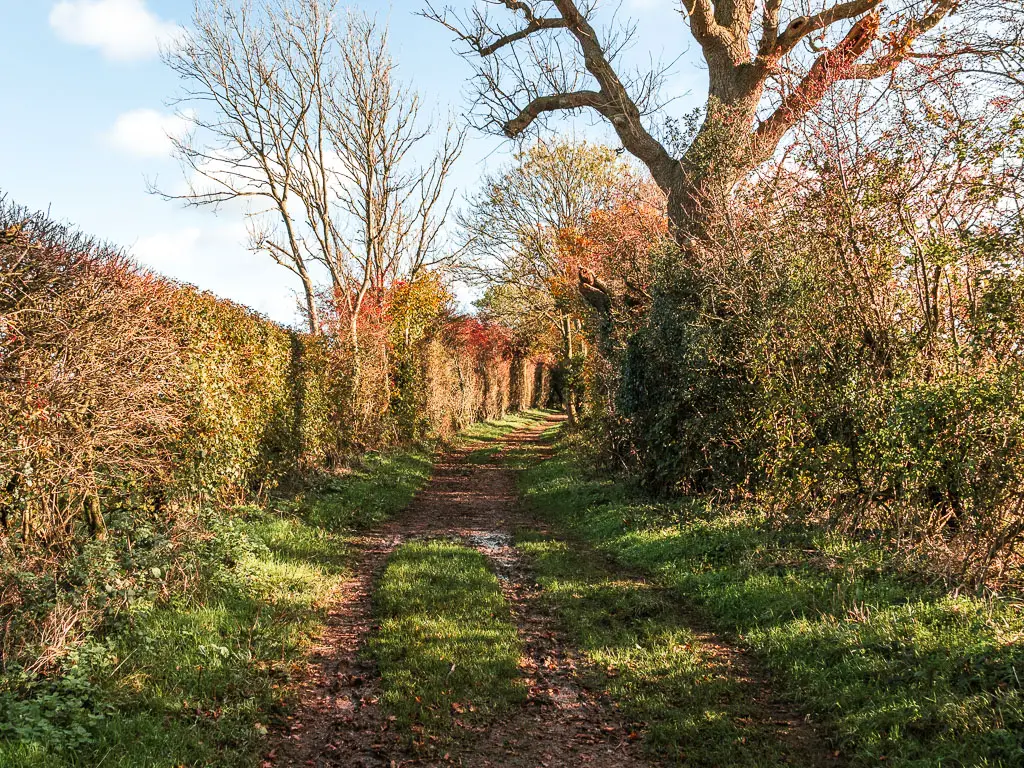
x=486 y=439
x=337 y=714
x=903 y=673
x=446 y=650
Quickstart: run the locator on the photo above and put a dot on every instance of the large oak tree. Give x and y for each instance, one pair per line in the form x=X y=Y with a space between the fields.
x=769 y=63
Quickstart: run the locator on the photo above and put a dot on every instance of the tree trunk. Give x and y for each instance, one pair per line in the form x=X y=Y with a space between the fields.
x=700 y=185
x=93 y=516
x=7 y=505
x=570 y=391
x=357 y=369
x=313 y=316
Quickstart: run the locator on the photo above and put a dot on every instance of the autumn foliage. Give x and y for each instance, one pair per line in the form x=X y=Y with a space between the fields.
x=127 y=401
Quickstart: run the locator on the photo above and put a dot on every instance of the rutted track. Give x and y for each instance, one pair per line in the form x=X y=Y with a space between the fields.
x=338 y=721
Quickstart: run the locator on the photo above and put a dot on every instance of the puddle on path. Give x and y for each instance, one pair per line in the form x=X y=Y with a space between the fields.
x=493 y=541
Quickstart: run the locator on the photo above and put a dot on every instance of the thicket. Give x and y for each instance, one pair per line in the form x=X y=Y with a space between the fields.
x=129 y=403
x=844 y=344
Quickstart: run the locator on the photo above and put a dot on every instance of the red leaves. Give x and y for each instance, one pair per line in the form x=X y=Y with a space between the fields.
x=479 y=338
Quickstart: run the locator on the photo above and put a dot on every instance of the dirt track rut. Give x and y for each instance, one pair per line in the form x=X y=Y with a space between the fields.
x=338 y=721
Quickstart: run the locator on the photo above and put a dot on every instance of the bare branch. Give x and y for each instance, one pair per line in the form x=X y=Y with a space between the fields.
x=760 y=83
x=556 y=102
x=534 y=26
x=828 y=68
x=802 y=26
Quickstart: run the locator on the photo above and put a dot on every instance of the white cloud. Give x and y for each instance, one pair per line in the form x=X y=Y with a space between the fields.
x=147 y=133
x=166 y=252
x=123 y=30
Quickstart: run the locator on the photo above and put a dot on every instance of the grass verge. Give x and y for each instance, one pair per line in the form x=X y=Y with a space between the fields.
x=688 y=701
x=192 y=678
x=900 y=671
x=190 y=674
x=447 y=649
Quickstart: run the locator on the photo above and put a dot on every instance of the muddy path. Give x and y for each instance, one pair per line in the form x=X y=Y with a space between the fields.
x=338 y=721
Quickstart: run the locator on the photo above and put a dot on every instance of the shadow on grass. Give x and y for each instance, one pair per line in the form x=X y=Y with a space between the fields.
x=902 y=672
x=688 y=701
x=447 y=648
x=193 y=681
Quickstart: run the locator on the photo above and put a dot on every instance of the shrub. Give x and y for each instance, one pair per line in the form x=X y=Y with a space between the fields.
x=845 y=344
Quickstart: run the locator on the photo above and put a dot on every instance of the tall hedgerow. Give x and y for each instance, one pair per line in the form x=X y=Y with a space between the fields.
x=846 y=345
x=129 y=402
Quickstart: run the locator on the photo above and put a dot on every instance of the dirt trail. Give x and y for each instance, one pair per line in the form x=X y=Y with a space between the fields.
x=338 y=721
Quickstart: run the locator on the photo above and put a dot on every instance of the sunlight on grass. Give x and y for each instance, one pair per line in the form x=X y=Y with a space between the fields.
x=687 y=704
x=194 y=682
x=492 y=431
x=899 y=670
x=447 y=649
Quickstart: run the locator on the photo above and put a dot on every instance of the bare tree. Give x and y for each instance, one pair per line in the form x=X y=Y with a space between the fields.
x=378 y=213
x=520 y=227
x=297 y=104
x=769 y=63
x=246 y=128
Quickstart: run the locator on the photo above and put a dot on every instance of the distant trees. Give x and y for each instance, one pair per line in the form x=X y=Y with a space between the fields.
x=521 y=230
x=299 y=112
x=769 y=64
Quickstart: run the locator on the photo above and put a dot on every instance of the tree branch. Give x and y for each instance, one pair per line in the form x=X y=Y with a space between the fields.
x=712 y=36
x=899 y=44
x=620 y=109
x=534 y=26
x=769 y=27
x=802 y=26
x=553 y=103
x=830 y=67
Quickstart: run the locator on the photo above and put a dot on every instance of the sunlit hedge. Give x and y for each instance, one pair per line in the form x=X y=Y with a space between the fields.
x=127 y=401
x=841 y=346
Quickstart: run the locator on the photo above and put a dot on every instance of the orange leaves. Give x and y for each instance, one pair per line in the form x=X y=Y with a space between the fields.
x=575 y=248
x=479 y=338
x=618 y=240
x=399 y=314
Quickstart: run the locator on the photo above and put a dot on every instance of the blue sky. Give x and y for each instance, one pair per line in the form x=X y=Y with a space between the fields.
x=84 y=111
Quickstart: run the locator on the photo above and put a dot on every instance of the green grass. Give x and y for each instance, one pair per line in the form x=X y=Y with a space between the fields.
x=194 y=681
x=900 y=672
x=491 y=434
x=494 y=431
x=691 y=708
x=197 y=680
x=447 y=649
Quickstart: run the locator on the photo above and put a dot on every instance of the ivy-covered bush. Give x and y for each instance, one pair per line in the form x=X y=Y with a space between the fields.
x=845 y=346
